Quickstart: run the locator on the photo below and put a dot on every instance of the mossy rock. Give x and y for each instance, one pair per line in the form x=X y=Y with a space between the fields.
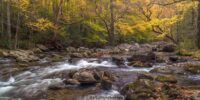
x=56 y=58
x=171 y=92
x=140 y=64
x=146 y=75
x=141 y=89
x=166 y=78
x=193 y=68
x=162 y=70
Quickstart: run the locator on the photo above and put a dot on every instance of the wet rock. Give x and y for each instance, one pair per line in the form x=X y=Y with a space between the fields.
x=171 y=92
x=169 y=48
x=71 y=73
x=142 y=60
x=162 y=70
x=36 y=50
x=146 y=75
x=23 y=55
x=71 y=93
x=82 y=49
x=85 y=78
x=123 y=47
x=139 y=90
x=151 y=56
x=135 y=47
x=161 y=57
x=56 y=57
x=118 y=60
x=3 y=53
x=166 y=78
x=56 y=87
x=42 y=48
x=22 y=65
x=140 y=64
x=139 y=57
x=174 y=58
x=106 y=84
x=71 y=49
x=193 y=68
x=145 y=89
x=71 y=82
x=76 y=55
x=196 y=96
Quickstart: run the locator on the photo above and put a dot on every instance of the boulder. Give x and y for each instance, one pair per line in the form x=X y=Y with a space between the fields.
x=42 y=47
x=85 y=78
x=169 y=48
x=142 y=60
x=166 y=78
x=162 y=70
x=172 y=92
x=142 y=89
x=118 y=60
x=145 y=89
x=82 y=49
x=56 y=57
x=36 y=50
x=71 y=82
x=3 y=53
x=174 y=58
x=124 y=46
x=146 y=75
x=140 y=64
x=76 y=55
x=106 y=84
x=196 y=96
x=193 y=68
x=89 y=76
x=71 y=49
x=23 y=55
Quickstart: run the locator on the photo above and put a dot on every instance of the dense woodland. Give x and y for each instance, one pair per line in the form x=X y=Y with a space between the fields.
x=25 y=23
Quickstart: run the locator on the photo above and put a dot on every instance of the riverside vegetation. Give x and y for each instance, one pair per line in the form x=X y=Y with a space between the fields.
x=94 y=49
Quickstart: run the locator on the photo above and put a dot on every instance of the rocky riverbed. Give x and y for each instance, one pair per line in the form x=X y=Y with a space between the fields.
x=150 y=71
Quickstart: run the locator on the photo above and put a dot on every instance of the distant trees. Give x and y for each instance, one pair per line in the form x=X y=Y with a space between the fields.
x=92 y=22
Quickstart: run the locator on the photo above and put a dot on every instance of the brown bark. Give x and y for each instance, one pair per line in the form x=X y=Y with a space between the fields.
x=2 y=19
x=198 y=27
x=8 y=24
x=112 y=24
x=57 y=11
x=17 y=30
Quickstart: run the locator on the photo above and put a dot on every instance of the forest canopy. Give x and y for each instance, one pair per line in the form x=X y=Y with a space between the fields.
x=25 y=23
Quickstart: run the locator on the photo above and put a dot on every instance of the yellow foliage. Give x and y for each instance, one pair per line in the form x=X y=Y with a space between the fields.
x=42 y=24
x=124 y=28
x=21 y=4
x=141 y=25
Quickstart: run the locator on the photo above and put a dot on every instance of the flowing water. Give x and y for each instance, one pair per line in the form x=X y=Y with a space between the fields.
x=36 y=80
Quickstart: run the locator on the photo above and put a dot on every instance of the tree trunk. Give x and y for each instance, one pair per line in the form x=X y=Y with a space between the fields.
x=112 y=24
x=2 y=19
x=198 y=27
x=8 y=24
x=57 y=11
x=17 y=30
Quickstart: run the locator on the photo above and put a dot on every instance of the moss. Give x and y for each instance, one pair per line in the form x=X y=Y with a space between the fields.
x=140 y=64
x=56 y=58
x=166 y=78
x=193 y=68
x=192 y=53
